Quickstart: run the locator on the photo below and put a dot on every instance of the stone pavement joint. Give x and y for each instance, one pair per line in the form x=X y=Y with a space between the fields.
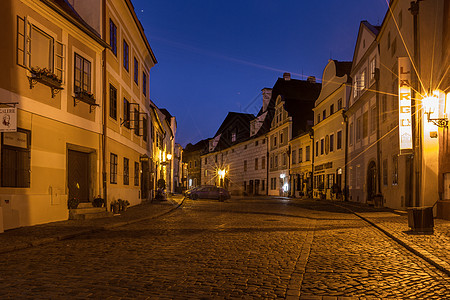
x=33 y=236
x=409 y=245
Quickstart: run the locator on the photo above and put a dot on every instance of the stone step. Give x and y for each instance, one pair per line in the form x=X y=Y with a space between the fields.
x=85 y=205
x=89 y=213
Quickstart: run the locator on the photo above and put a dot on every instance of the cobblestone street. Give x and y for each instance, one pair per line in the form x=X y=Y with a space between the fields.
x=238 y=249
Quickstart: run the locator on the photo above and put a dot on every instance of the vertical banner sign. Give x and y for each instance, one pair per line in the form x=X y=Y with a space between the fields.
x=404 y=103
x=8 y=119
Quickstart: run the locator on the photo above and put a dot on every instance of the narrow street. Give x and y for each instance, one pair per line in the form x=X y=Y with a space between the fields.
x=241 y=248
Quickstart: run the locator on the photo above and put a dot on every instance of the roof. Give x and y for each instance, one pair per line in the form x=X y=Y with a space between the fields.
x=67 y=11
x=373 y=28
x=343 y=68
x=232 y=115
x=299 y=97
x=201 y=145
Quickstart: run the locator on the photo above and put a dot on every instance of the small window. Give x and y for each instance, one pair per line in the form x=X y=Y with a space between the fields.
x=113 y=37
x=144 y=83
x=126 y=171
x=331 y=109
x=331 y=142
x=339 y=105
x=126 y=113
x=322 y=146
x=324 y=114
x=136 y=71
x=113 y=168
x=126 y=63
x=339 y=140
x=317 y=148
x=307 y=153
x=112 y=102
x=256 y=163
x=294 y=156
x=136 y=174
x=300 y=155
x=144 y=129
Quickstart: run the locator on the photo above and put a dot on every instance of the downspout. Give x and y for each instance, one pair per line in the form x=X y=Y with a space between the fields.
x=267 y=165
x=311 y=137
x=377 y=88
x=344 y=116
x=104 y=115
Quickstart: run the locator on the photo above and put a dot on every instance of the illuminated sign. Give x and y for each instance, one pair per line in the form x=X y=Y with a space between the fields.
x=8 y=119
x=404 y=103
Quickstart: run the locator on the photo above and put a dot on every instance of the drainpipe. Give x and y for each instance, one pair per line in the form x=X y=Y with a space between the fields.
x=377 y=100
x=311 y=136
x=346 y=191
x=104 y=115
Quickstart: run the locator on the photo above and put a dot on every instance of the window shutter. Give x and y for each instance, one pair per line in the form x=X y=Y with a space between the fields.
x=23 y=43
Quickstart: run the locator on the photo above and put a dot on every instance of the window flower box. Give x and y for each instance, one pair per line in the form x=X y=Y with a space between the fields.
x=46 y=77
x=85 y=97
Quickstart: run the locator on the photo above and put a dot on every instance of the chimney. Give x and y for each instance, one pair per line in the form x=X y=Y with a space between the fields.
x=311 y=79
x=287 y=76
x=267 y=94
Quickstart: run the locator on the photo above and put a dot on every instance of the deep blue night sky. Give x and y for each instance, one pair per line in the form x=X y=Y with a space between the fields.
x=216 y=56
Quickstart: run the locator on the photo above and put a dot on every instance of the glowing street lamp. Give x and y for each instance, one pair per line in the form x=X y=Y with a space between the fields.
x=431 y=105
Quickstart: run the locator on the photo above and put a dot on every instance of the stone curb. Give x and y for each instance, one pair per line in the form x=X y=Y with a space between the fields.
x=430 y=258
x=48 y=240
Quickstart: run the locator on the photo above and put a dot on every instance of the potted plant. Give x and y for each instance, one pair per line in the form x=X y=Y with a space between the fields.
x=45 y=76
x=73 y=202
x=115 y=207
x=98 y=201
x=85 y=96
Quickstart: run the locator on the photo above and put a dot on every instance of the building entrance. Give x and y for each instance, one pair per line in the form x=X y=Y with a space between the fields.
x=78 y=175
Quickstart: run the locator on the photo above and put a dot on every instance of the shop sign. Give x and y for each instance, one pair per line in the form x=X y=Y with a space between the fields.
x=404 y=102
x=8 y=119
x=16 y=139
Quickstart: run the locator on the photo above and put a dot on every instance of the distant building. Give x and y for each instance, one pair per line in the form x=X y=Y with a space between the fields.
x=191 y=157
x=301 y=166
x=293 y=100
x=330 y=130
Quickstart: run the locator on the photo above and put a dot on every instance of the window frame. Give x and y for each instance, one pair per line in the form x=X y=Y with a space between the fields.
x=113 y=36
x=113 y=165
x=126 y=56
x=81 y=88
x=112 y=102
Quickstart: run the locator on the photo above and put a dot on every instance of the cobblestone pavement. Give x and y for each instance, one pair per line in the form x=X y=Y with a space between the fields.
x=238 y=249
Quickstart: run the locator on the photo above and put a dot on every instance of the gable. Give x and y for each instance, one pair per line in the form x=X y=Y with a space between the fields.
x=363 y=42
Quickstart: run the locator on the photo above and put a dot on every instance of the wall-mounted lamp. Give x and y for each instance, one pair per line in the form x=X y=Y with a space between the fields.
x=430 y=104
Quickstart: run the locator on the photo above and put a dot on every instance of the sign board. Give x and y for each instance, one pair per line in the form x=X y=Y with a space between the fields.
x=404 y=104
x=16 y=139
x=8 y=119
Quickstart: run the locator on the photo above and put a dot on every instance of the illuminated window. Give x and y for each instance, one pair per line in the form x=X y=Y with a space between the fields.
x=373 y=66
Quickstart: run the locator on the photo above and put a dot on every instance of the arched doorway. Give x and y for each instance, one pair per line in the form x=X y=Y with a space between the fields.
x=371 y=181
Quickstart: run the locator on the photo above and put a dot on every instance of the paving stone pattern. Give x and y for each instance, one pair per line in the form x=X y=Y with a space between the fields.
x=239 y=249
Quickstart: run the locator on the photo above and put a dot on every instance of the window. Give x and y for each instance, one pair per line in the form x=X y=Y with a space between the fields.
x=318 y=118
x=276 y=161
x=317 y=148
x=206 y=160
x=126 y=54
x=300 y=155
x=112 y=102
x=136 y=173
x=394 y=169
x=372 y=67
x=294 y=156
x=330 y=181
x=113 y=168
x=15 y=163
x=136 y=122
x=373 y=119
x=358 y=128
x=113 y=37
x=256 y=163
x=322 y=146
x=144 y=129
x=339 y=140
x=126 y=113
x=385 y=172
x=274 y=141
x=82 y=79
x=307 y=153
x=324 y=114
x=263 y=185
x=284 y=157
x=339 y=106
x=331 y=142
x=190 y=164
x=37 y=49
x=126 y=171
x=233 y=136
x=136 y=71
x=281 y=138
x=362 y=81
x=351 y=132
x=245 y=166
x=263 y=162
x=195 y=163
x=256 y=143
x=144 y=84
x=271 y=162
x=331 y=109
x=365 y=124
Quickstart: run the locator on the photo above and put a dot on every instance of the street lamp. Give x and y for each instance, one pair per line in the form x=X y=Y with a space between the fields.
x=431 y=105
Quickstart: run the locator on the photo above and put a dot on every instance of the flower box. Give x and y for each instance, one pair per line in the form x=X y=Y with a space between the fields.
x=85 y=97
x=45 y=77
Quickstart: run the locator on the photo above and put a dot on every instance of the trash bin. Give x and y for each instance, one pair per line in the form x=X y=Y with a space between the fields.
x=420 y=219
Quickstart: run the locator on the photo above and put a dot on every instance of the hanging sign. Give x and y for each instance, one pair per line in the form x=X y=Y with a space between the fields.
x=404 y=103
x=8 y=119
